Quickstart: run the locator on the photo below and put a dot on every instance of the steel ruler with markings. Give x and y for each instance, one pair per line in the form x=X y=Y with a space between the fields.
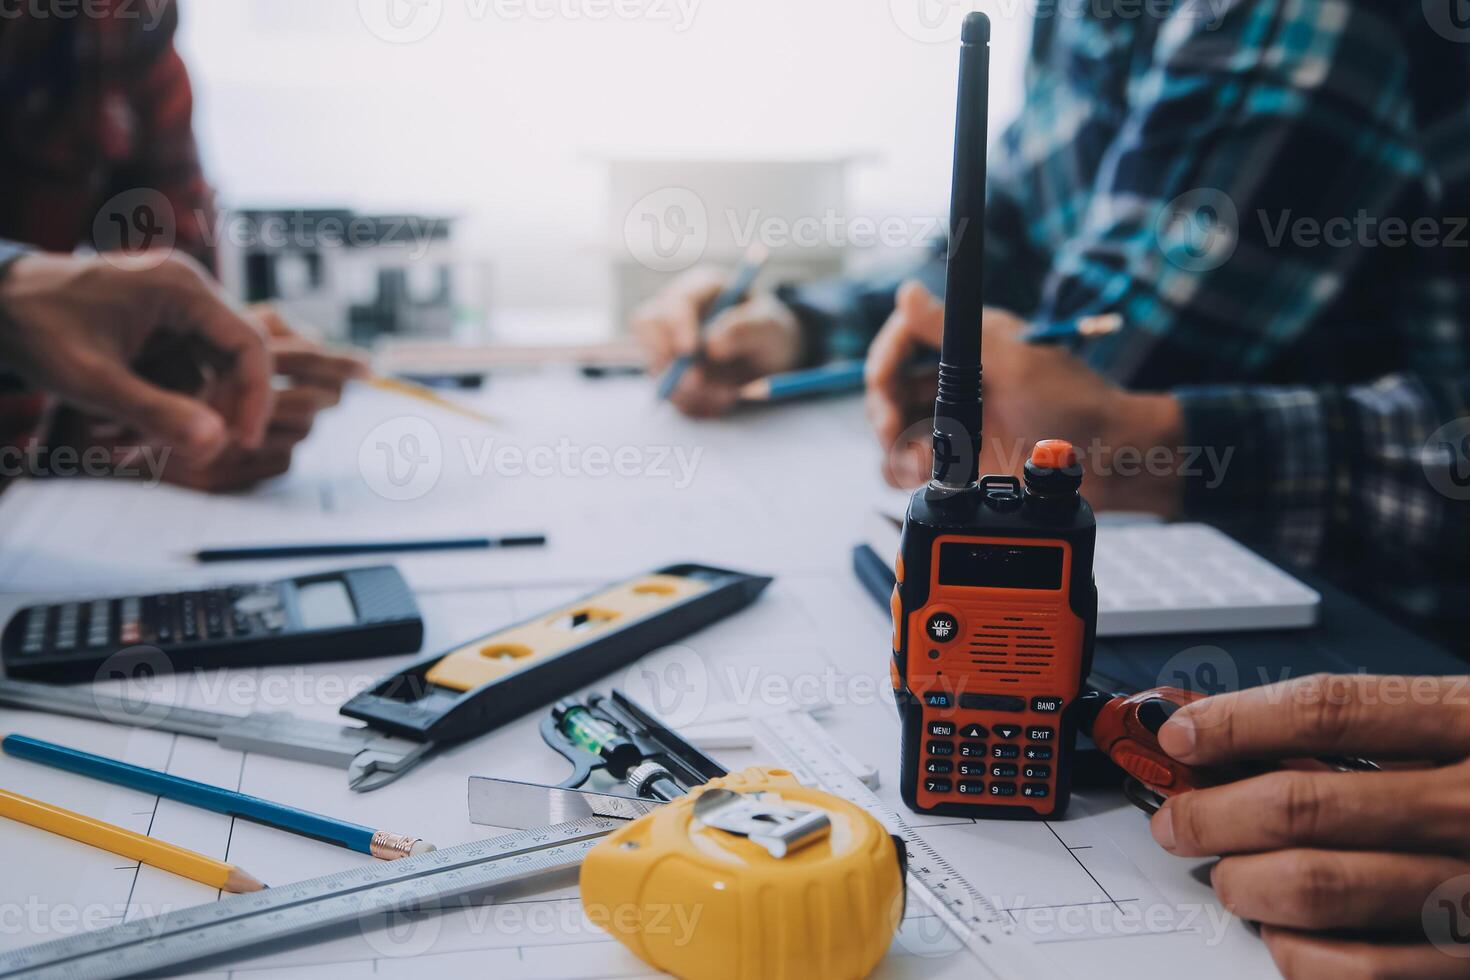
x=270 y=920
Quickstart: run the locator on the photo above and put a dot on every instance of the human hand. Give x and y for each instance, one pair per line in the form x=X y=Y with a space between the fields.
x=311 y=380
x=1032 y=392
x=1345 y=871
x=758 y=337
x=102 y=333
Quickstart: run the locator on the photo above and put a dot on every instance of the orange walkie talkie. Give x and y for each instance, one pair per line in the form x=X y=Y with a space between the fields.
x=995 y=609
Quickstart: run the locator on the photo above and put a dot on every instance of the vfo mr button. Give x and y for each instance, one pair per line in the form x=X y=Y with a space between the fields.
x=942 y=627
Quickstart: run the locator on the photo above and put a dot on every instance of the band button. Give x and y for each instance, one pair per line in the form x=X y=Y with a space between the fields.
x=1046 y=705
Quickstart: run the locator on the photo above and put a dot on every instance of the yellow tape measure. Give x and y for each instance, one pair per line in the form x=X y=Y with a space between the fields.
x=752 y=877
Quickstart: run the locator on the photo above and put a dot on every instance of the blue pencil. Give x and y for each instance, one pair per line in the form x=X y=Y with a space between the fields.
x=847 y=376
x=365 y=840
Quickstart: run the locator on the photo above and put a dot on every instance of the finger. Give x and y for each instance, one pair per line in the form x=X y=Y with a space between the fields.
x=1387 y=717
x=1323 y=809
x=735 y=336
x=302 y=402
x=187 y=425
x=1302 y=956
x=700 y=396
x=886 y=371
x=246 y=381
x=1321 y=889
x=650 y=330
x=270 y=318
x=237 y=473
x=301 y=360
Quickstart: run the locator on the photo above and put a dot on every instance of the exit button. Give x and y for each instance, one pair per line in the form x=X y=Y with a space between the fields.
x=1046 y=704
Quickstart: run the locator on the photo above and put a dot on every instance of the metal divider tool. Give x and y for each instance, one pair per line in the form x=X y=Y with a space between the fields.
x=263 y=921
x=370 y=757
x=798 y=742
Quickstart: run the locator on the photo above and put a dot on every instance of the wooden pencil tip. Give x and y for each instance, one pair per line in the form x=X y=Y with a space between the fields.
x=238 y=881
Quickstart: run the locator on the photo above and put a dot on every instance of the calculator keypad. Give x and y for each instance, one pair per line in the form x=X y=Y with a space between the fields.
x=164 y=620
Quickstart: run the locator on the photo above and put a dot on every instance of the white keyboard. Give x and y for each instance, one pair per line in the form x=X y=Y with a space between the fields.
x=1175 y=578
x=1189 y=578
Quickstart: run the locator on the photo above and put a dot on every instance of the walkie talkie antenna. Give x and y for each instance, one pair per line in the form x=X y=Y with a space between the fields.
x=957 y=407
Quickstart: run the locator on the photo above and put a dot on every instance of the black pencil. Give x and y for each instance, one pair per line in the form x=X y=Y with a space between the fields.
x=263 y=552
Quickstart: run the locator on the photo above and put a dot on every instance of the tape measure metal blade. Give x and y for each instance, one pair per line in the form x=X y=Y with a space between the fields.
x=797 y=741
x=245 y=921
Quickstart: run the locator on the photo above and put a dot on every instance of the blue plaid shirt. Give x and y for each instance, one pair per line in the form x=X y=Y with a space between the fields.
x=1274 y=194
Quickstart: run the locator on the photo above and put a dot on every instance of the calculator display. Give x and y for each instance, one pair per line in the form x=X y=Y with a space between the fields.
x=324 y=605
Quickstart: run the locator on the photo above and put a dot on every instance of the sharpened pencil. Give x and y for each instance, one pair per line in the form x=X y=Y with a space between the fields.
x=423 y=393
x=379 y=843
x=126 y=843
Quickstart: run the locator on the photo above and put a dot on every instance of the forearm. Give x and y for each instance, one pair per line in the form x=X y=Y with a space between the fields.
x=1335 y=475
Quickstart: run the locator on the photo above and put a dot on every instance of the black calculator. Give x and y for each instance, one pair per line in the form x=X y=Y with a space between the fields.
x=362 y=612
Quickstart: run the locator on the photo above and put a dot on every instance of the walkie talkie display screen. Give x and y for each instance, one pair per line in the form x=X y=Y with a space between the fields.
x=1000 y=566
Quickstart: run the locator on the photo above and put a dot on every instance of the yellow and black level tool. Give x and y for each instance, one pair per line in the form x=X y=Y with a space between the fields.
x=995 y=610
x=482 y=684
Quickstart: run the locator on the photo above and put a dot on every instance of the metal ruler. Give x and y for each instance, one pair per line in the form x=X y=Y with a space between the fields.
x=798 y=742
x=255 y=920
x=371 y=758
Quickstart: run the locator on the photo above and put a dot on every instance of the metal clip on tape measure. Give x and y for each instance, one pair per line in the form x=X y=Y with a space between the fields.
x=754 y=877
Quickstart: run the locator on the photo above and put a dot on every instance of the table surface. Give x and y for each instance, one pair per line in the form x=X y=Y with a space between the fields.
x=620 y=484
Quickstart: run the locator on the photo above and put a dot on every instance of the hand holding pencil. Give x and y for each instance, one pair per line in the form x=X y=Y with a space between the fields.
x=1034 y=386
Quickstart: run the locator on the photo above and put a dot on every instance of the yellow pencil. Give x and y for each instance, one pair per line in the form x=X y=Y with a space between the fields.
x=424 y=394
x=159 y=854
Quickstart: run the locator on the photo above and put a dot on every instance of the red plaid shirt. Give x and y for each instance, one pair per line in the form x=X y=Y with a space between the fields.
x=92 y=108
